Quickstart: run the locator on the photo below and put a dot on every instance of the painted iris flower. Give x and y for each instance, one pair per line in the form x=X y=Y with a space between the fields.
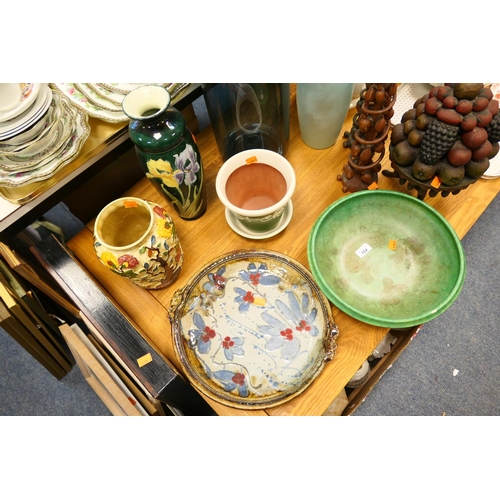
x=187 y=165
x=161 y=169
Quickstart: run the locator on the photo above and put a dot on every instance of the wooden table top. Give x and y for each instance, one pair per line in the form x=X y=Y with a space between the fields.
x=210 y=237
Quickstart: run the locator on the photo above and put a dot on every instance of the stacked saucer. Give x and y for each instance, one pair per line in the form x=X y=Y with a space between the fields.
x=21 y=113
x=104 y=100
x=44 y=137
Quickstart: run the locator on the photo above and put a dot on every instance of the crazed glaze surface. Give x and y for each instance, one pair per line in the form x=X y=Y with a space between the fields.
x=253 y=329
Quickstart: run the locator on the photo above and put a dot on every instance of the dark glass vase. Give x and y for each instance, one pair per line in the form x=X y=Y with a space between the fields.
x=249 y=116
x=166 y=150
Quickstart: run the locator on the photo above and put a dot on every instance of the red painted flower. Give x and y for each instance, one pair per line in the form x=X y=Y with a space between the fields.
x=238 y=378
x=303 y=325
x=160 y=211
x=249 y=297
x=219 y=281
x=288 y=334
x=208 y=333
x=255 y=278
x=227 y=343
x=128 y=260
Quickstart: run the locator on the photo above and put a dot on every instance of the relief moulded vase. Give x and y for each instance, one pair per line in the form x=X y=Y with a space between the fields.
x=137 y=240
x=166 y=150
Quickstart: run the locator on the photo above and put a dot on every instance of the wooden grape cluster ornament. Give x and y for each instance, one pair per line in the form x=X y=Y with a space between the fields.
x=446 y=141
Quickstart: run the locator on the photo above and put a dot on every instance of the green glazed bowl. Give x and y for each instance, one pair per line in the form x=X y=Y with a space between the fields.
x=386 y=258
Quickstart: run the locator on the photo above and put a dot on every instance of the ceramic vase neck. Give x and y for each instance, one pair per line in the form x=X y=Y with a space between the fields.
x=146 y=103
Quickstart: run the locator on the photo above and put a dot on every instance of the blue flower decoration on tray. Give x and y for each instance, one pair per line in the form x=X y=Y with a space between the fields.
x=232 y=380
x=202 y=335
x=298 y=318
x=259 y=276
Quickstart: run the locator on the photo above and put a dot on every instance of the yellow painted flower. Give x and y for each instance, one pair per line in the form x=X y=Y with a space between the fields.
x=161 y=169
x=164 y=228
x=109 y=259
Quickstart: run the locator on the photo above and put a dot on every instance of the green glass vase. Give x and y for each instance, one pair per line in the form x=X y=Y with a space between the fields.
x=166 y=150
x=321 y=109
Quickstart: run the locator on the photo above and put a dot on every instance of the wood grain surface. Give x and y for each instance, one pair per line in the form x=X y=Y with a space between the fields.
x=210 y=237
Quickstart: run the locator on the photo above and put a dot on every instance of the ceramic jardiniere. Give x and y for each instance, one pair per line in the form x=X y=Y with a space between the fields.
x=256 y=186
x=137 y=239
x=166 y=149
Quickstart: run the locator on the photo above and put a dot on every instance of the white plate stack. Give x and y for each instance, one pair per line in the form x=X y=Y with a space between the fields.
x=40 y=132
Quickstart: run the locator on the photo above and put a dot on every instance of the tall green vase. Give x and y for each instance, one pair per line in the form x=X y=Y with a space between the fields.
x=166 y=150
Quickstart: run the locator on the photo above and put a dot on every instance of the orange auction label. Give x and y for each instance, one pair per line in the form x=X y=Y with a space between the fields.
x=130 y=204
x=252 y=159
x=144 y=360
x=393 y=244
x=373 y=186
x=436 y=182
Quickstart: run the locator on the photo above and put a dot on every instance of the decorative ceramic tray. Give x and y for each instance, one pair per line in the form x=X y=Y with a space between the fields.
x=252 y=329
x=386 y=258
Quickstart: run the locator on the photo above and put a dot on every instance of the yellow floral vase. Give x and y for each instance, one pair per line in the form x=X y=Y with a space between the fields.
x=137 y=240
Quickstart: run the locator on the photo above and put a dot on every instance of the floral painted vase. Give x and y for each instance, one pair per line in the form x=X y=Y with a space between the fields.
x=137 y=239
x=166 y=149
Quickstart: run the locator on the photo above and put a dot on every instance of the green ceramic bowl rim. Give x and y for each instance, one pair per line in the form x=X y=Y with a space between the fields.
x=358 y=313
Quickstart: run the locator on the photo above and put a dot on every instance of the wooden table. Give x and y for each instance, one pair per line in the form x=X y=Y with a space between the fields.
x=210 y=237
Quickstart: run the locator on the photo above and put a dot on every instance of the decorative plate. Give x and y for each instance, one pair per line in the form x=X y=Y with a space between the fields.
x=252 y=329
x=95 y=98
x=84 y=103
x=106 y=94
x=386 y=258
x=125 y=88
